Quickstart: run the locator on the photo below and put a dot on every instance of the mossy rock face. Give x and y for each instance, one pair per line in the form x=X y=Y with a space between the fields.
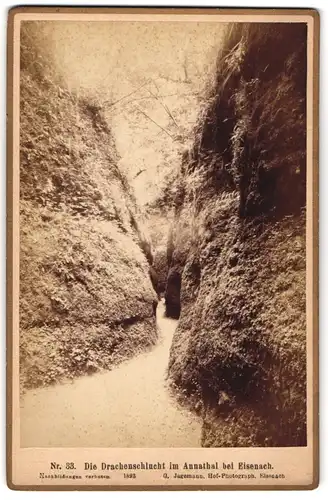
x=87 y=299
x=172 y=294
x=160 y=266
x=154 y=279
x=238 y=245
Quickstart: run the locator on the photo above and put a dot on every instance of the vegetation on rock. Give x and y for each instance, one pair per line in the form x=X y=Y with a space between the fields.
x=238 y=244
x=161 y=268
x=86 y=298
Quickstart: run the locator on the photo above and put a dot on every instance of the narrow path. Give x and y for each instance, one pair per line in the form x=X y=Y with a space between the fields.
x=130 y=406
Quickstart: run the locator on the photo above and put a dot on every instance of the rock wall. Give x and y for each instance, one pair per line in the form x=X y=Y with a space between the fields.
x=238 y=245
x=86 y=298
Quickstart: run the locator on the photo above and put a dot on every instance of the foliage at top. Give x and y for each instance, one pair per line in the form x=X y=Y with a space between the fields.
x=251 y=134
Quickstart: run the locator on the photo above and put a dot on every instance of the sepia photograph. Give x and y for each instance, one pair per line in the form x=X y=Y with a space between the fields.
x=164 y=221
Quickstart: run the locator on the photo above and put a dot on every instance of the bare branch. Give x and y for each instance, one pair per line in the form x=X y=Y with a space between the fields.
x=192 y=94
x=140 y=172
x=149 y=118
x=164 y=106
x=125 y=96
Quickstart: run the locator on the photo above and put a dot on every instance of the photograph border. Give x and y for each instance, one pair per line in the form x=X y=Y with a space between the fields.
x=10 y=247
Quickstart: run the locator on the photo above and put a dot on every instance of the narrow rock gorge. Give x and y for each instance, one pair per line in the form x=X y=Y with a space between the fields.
x=162 y=234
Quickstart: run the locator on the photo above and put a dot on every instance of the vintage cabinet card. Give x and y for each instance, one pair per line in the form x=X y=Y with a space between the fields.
x=162 y=248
